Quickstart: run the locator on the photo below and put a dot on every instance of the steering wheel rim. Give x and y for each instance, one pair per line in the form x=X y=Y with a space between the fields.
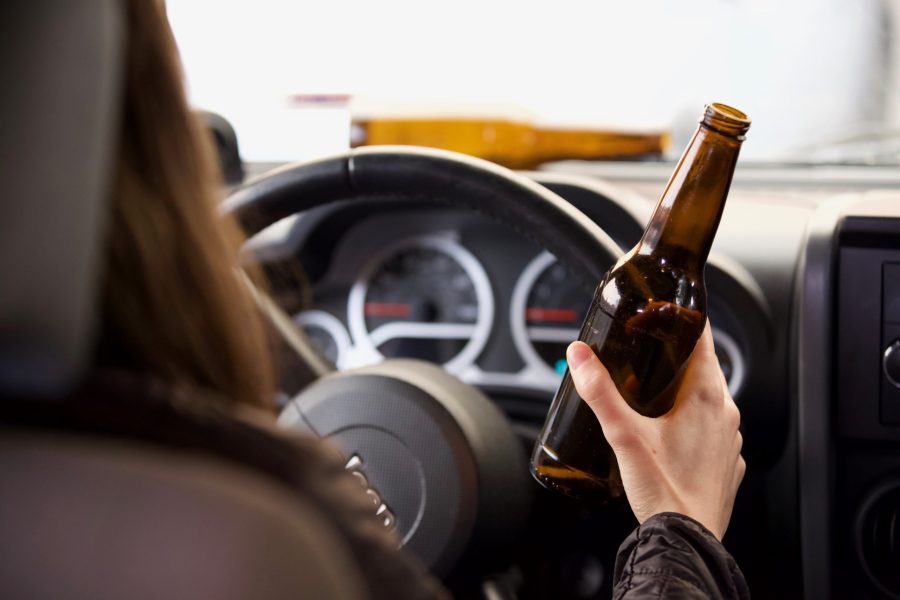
x=435 y=177
x=472 y=485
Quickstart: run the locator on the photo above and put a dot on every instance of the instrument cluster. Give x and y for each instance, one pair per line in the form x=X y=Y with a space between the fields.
x=448 y=287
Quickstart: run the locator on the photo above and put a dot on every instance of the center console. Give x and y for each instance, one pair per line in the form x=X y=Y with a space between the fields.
x=848 y=380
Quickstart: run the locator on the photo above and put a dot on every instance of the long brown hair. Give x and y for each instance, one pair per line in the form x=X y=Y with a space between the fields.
x=173 y=307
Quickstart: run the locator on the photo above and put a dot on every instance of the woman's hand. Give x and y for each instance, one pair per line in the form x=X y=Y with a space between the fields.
x=689 y=460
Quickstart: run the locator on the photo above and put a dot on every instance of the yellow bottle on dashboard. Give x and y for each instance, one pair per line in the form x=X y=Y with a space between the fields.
x=514 y=144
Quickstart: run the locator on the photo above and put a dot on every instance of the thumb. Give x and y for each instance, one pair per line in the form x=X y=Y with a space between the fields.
x=596 y=388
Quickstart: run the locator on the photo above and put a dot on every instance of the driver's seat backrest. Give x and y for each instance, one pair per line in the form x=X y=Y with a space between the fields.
x=86 y=513
x=103 y=519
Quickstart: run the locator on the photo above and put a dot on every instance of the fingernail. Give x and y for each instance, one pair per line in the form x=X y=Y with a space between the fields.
x=577 y=354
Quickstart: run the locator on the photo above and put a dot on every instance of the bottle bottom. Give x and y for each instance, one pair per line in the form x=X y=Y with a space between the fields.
x=553 y=474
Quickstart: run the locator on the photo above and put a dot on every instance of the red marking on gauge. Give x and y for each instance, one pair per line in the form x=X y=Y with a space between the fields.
x=553 y=315
x=387 y=309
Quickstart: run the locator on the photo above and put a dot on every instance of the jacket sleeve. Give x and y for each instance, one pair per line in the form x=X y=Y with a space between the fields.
x=674 y=556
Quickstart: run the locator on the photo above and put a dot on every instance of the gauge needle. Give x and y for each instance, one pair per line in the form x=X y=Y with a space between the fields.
x=387 y=309
x=554 y=315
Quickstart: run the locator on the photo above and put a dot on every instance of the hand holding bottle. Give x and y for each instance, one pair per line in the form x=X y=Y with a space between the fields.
x=687 y=461
x=647 y=313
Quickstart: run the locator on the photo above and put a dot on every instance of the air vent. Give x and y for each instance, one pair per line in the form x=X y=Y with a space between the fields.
x=878 y=538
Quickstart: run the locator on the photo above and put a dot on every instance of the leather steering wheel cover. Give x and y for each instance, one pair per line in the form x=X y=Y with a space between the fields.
x=434 y=176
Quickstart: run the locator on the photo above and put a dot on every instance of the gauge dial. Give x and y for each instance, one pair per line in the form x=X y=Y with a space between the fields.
x=427 y=298
x=548 y=307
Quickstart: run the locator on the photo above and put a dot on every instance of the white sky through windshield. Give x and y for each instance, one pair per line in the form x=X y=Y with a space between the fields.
x=807 y=71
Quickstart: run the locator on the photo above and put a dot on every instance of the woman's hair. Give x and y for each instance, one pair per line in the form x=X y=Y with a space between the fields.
x=174 y=308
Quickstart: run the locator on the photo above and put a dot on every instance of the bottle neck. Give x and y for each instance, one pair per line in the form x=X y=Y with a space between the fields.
x=684 y=223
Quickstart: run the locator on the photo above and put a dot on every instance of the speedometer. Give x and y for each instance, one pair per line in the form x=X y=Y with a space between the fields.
x=425 y=297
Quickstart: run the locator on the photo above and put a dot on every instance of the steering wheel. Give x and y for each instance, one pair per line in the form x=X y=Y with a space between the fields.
x=438 y=459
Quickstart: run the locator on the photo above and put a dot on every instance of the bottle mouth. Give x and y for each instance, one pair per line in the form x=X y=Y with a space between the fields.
x=726 y=120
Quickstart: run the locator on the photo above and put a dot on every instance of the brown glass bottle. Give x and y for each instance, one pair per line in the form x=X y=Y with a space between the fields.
x=514 y=144
x=647 y=314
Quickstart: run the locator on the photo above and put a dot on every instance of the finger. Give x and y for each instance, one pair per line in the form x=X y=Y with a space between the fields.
x=596 y=387
x=706 y=344
x=732 y=413
x=739 y=471
x=703 y=375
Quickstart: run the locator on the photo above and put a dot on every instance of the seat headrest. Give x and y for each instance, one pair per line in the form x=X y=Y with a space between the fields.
x=61 y=66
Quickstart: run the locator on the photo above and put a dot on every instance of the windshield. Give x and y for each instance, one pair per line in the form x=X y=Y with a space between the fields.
x=816 y=76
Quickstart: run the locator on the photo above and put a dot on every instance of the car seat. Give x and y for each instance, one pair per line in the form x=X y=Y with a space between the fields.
x=104 y=516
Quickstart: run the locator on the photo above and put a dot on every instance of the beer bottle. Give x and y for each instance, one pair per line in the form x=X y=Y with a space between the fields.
x=647 y=314
x=514 y=144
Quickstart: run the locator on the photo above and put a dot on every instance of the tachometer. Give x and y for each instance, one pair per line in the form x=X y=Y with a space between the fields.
x=425 y=297
x=548 y=306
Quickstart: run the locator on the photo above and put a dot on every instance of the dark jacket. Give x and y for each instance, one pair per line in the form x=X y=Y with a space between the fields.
x=669 y=556
x=674 y=556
